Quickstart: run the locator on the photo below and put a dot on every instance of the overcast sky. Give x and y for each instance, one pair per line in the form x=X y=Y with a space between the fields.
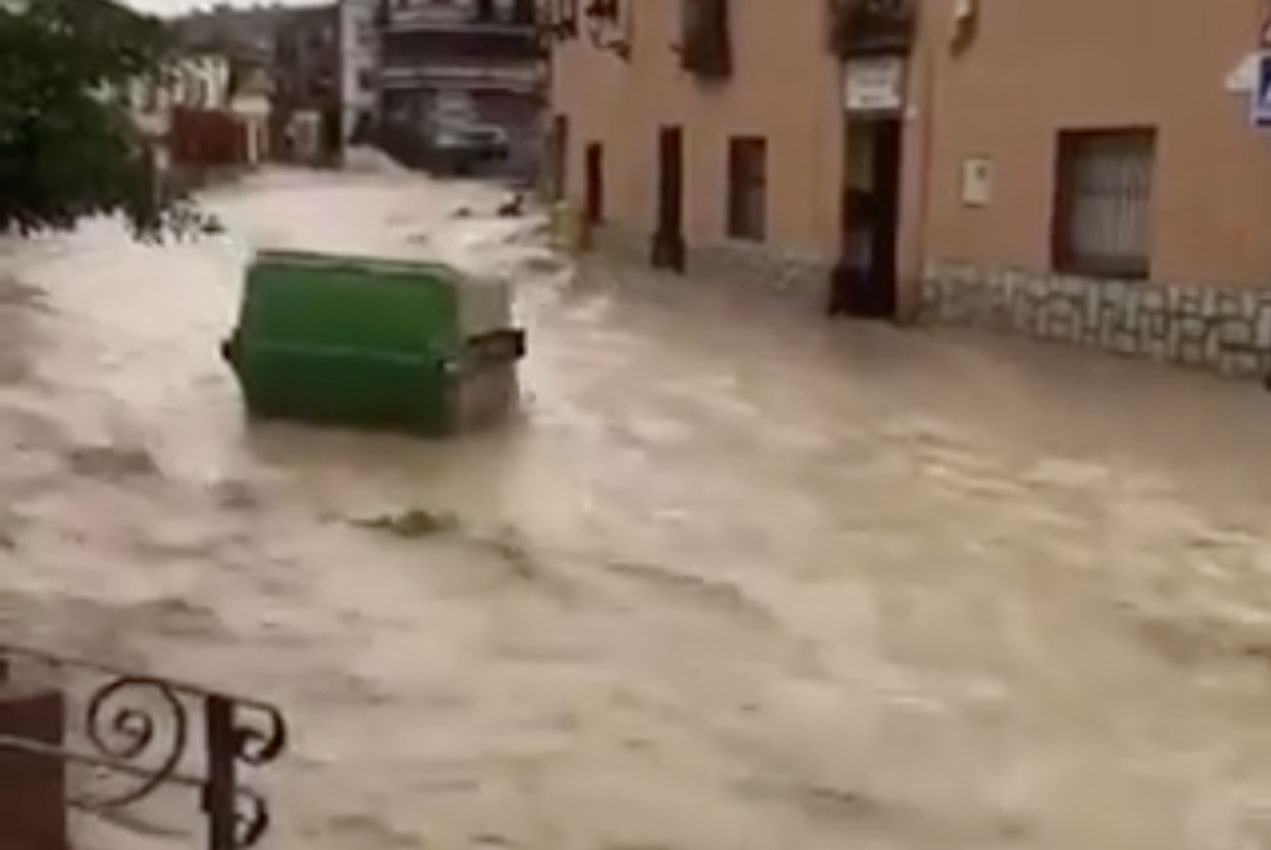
x=174 y=7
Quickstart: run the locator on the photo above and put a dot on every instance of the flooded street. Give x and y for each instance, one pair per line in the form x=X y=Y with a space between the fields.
x=734 y=580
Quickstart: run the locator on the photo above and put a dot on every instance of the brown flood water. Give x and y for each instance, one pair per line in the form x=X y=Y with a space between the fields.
x=733 y=580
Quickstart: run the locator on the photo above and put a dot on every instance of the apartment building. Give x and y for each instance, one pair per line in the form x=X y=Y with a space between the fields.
x=359 y=67
x=307 y=106
x=476 y=59
x=702 y=137
x=202 y=111
x=1087 y=171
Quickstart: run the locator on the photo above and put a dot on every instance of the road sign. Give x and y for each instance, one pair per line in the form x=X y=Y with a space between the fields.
x=1261 y=94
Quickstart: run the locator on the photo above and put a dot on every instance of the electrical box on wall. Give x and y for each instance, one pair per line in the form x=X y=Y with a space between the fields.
x=977 y=181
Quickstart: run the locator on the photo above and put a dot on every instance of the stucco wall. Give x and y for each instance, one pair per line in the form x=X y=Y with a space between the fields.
x=1038 y=67
x=784 y=87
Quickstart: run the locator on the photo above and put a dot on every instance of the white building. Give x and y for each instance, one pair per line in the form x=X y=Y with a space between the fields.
x=359 y=63
x=204 y=81
x=251 y=104
x=197 y=82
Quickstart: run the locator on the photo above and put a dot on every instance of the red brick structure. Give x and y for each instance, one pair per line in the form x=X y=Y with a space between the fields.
x=204 y=137
x=32 y=787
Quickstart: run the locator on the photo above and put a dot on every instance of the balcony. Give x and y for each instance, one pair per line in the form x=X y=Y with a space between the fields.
x=455 y=20
x=462 y=45
x=871 y=27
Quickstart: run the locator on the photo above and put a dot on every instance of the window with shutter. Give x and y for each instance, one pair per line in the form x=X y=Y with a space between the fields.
x=706 y=47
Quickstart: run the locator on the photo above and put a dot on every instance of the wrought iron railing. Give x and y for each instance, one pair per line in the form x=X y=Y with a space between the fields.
x=862 y=27
x=140 y=733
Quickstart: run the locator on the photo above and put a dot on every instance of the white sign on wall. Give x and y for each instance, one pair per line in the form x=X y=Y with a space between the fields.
x=1244 y=76
x=876 y=84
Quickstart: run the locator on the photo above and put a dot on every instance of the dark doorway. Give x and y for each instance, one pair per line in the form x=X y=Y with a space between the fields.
x=864 y=282
x=668 y=240
x=595 y=188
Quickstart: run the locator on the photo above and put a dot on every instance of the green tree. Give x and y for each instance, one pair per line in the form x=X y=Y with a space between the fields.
x=68 y=147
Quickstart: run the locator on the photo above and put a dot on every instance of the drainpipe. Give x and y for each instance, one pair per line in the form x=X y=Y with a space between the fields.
x=926 y=108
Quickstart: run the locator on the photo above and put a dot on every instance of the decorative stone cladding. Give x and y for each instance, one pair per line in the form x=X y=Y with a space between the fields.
x=801 y=281
x=1224 y=329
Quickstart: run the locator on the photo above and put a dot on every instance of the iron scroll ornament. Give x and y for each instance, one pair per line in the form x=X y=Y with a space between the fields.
x=125 y=731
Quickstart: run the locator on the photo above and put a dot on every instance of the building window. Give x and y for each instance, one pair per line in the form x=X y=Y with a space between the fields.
x=747 y=188
x=366 y=79
x=705 y=38
x=1103 y=201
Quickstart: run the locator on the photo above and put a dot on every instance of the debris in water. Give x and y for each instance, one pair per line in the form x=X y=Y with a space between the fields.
x=112 y=461
x=362 y=830
x=1258 y=651
x=133 y=823
x=235 y=495
x=512 y=548
x=14 y=293
x=412 y=523
x=543 y=264
x=513 y=207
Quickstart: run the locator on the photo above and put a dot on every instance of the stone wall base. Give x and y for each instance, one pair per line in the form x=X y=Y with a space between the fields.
x=800 y=281
x=1226 y=329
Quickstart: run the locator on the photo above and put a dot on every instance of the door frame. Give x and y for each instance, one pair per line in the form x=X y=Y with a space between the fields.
x=870 y=288
x=594 y=183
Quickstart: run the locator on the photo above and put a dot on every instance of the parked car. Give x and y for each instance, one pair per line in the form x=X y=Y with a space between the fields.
x=461 y=147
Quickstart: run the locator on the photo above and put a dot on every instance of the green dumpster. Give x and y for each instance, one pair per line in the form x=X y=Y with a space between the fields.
x=373 y=342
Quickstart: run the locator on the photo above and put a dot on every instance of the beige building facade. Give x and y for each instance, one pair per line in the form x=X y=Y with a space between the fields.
x=617 y=85
x=1085 y=170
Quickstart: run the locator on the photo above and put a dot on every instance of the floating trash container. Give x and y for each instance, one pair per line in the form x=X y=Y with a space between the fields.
x=384 y=343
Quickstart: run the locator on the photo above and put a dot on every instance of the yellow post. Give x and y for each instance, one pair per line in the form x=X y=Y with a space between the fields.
x=567 y=231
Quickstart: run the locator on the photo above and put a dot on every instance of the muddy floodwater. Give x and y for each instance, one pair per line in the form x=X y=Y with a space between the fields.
x=733 y=580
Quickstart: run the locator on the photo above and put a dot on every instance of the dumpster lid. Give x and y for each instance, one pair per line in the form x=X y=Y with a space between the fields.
x=369 y=262
x=383 y=263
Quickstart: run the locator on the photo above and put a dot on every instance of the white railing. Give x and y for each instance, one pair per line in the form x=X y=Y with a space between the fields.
x=520 y=77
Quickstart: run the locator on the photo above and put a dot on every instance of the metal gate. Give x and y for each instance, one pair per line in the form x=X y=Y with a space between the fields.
x=133 y=735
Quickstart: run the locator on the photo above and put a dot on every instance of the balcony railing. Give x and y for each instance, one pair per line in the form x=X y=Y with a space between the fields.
x=864 y=27
x=518 y=77
x=452 y=19
x=127 y=736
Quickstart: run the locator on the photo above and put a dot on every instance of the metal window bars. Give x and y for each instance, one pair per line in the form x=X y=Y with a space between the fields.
x=138 y=733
